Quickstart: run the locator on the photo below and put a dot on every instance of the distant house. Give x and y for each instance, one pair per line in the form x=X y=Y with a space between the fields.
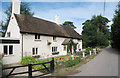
x=32 y=36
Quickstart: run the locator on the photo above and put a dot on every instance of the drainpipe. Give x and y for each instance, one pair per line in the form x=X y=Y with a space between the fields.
x=22 y=45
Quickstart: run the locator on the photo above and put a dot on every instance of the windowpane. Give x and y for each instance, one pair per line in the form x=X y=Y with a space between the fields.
x=33 y=51
x=38 y=36
x=10 y=49
x=64 y=47
x=35 y=36
x=8 y=34
x=36 y=50
x=56 y=49
x=5 y=50
x=54 y=38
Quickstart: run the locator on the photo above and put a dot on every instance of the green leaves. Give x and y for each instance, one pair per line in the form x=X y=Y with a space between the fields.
x=95 y=32
x=24 y=9
x=115 y=29
x=71 y=62
x=69 y=24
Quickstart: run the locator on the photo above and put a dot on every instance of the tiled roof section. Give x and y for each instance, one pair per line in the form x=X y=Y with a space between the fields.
x=31 y=24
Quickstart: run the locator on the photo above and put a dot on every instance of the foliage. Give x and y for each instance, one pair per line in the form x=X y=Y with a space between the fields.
x=37 y=67
x=24 y=9
x=75 y=47
x=89 y=49
x=69 y=24
x=28 y=60
x=71 y=62
x=68 y=47
x=115 y=28
x=95 y=32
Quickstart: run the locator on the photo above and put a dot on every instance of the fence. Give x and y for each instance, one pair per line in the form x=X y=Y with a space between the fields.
x=51 y=70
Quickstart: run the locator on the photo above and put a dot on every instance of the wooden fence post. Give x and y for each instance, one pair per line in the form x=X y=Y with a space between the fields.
x=30 y=70
x=52 y=65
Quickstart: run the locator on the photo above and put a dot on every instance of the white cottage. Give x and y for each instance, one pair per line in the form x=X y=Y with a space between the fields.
x=36 y=36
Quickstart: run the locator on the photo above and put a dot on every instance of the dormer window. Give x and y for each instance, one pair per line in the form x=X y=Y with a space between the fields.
x=37 y=36
x=8 y=34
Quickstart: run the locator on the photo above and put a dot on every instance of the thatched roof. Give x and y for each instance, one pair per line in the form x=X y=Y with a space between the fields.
x=33 y=25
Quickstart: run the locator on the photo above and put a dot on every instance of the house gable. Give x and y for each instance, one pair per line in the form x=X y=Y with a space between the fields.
x=13 y=28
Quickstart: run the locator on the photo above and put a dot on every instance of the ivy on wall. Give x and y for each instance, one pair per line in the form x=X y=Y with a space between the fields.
x=73 y=44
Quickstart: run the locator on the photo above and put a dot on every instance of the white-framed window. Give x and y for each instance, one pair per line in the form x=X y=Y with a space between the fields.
x=64 y=47
x=34 y=51
x=37 y=36
x=54 y=38
x=8 y=34
x=8 y=49
x=54 y=49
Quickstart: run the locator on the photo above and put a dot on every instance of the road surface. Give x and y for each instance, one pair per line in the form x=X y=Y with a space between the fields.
x=105 y=64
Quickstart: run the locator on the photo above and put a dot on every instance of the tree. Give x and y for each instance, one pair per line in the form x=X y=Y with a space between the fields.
x=95 y=31
x=24 y=9
x=69 y=24
x=115 y=28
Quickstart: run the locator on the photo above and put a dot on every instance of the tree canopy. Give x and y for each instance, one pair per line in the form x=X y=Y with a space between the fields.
x=24 y=9
x=115 y=28
x=69 y=24
x=95 y=32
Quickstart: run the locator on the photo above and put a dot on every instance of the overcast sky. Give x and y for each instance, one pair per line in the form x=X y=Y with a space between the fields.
x=77 y=12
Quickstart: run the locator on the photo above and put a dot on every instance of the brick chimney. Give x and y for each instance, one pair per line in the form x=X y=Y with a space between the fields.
x=16 y=6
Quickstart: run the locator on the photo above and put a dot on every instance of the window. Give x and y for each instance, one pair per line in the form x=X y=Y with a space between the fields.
x=64 y=48
x=5 y=50
x=8 y=34
x=34 y=51
x=54 y=38
x=8 y=50
x=54 y=49
x=37 y=36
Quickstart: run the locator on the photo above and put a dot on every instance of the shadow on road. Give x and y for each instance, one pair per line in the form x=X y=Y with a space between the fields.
x=112 y=50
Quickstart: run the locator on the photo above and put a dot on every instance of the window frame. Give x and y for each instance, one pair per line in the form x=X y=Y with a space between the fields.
x=64 y=48
x=8 y=34
x=8 y=50
x=54 y=49
x=36 y=51
x=54 y=38
x=37 y=36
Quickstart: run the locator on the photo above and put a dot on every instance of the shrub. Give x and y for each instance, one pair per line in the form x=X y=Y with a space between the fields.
x=28 y=60
x=37 y=67
x=71 y=62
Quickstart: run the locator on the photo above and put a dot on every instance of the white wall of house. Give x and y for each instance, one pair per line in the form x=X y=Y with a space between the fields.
x=13 y=58
x=13 y=28
x=45 y=50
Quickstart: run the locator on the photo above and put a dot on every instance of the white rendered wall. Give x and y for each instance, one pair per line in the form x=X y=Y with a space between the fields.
x=15 y=57
x=13 y=28
x=45 y=50
x=79 y=45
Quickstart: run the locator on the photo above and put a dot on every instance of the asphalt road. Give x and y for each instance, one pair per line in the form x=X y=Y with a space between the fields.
x=105 y=64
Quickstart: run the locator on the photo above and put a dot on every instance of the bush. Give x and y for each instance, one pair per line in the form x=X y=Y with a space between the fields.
x=28 y=60
x=37 y=67
x=71 y=62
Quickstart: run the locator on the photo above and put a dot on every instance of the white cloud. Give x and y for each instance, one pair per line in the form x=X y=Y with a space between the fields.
x=78 y=12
